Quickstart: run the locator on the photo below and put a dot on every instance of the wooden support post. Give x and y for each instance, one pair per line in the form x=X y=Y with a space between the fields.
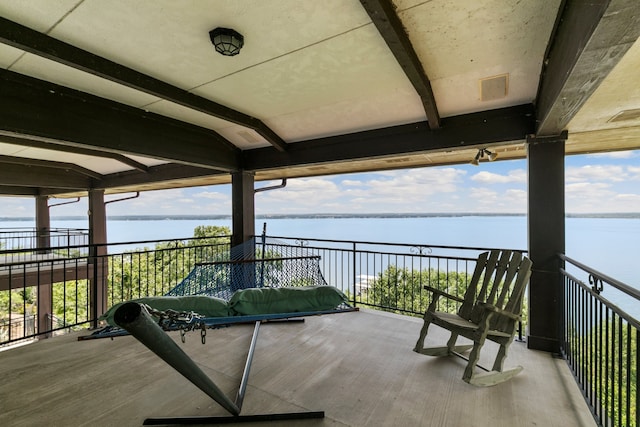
x=43 y=222
x=546 y=235
x=45 y=293
x=243 y=207
x=97 y=254
x=243 y=224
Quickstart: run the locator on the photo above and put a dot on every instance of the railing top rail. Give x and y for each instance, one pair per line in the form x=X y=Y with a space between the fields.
x=65 y=230
x=366 y=252
x=84 y=246
x=257 y=260
x=34 y=229
x=43 y=261
x=135 y=242
x=14 y=229
x=43 y=249
x=623 y=314
x=419 y=245
x=623 y=287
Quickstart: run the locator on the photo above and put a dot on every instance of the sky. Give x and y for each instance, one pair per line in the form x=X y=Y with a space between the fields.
x=599 y=183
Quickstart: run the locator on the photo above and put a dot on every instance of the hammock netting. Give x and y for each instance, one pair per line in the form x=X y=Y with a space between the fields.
x=252 y=265
x=269 y=264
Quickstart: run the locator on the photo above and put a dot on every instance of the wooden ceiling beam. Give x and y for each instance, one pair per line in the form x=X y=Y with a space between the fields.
x=160 y=173
x=39 y=110
x=12 y=190
x=588 y=41
x=51 y=145
x=19 y=175
x=384 y=17
x=466 y=131
x=49 y=164
x=24 y=38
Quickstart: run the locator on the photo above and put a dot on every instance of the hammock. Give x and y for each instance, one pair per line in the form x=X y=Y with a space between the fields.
x=291 y=277
x=257 y=288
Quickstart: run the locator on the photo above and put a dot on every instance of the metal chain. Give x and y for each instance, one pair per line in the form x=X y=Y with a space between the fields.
x=184 y=321
x=170 y=319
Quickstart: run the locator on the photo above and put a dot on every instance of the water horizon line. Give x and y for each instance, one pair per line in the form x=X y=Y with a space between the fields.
x=324 y=216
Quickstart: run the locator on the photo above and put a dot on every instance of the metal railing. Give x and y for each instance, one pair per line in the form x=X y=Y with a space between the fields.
x=19 y=328
x=386 y=276
x=31 y=238
x=75 y=290
x=69 y=292
x=25 y=243
x=601 y=343
x=154 y=272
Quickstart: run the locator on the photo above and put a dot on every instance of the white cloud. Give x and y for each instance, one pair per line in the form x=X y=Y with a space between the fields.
x=629 y=198
x=352 y=183
x=514 y=176
x=615 y=155
x=211 y=195
x=586 y=197
x=634 y=172
x=587 y=190
x=17 y=207
x=418 y=182
x=591 y=173
x=300 y=196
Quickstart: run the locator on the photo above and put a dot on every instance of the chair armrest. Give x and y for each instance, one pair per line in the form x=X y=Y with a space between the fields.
x=494 y=309
x=443 y=293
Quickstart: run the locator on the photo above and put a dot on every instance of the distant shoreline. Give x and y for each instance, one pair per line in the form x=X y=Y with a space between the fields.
x=321 y=216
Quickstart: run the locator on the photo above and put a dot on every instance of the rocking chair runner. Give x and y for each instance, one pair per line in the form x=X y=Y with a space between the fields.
x=491 y=311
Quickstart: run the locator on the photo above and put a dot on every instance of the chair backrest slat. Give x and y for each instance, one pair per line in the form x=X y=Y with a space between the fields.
x=490 y=267
x=504 y=276
x=514 y=267
x=501 y=269
x=470 y=294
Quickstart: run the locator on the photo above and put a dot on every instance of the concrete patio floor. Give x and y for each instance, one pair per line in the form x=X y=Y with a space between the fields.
x=358 y=367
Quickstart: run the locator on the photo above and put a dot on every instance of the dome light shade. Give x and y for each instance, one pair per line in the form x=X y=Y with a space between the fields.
x=227 y=42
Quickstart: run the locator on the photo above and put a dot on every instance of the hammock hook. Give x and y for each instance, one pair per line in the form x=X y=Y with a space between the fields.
x=203 y=332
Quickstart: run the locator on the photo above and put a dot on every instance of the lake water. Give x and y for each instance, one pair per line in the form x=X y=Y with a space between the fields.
x=609 y=245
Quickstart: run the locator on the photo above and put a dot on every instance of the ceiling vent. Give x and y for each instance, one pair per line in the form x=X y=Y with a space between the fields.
x=625 y=115
x=493 y=88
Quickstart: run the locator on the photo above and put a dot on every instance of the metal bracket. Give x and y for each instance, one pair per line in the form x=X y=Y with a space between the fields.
x=537 y=139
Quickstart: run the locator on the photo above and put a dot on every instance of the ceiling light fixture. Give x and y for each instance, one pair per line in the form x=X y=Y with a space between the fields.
x=481 y=153
x=227 y=42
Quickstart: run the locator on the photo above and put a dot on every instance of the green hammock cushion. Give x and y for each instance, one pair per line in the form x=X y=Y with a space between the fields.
x=286 y=300
x=204 y=305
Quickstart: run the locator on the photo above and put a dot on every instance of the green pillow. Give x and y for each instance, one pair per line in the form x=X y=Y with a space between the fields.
x=201 y=304
x=286 y=300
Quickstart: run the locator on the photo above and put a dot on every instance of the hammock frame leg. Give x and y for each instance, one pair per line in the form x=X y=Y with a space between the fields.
x=134 y=318
x=233 y=419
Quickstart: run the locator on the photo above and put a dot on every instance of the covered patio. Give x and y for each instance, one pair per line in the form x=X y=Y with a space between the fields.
x=356 y=367
x=103 y=98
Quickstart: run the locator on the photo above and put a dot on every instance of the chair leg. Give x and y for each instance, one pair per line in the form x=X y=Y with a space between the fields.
x=451 y=344
x=496 y=376
x=473 y=359
x=502 y=354
x=423 y=333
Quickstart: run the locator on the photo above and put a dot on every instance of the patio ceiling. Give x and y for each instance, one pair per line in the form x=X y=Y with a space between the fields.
x=128 y=96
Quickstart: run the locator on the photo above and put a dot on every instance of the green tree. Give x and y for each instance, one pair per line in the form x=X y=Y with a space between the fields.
x=151 y=272
x=611 y=367
x=70 y=303
x=402 y=289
